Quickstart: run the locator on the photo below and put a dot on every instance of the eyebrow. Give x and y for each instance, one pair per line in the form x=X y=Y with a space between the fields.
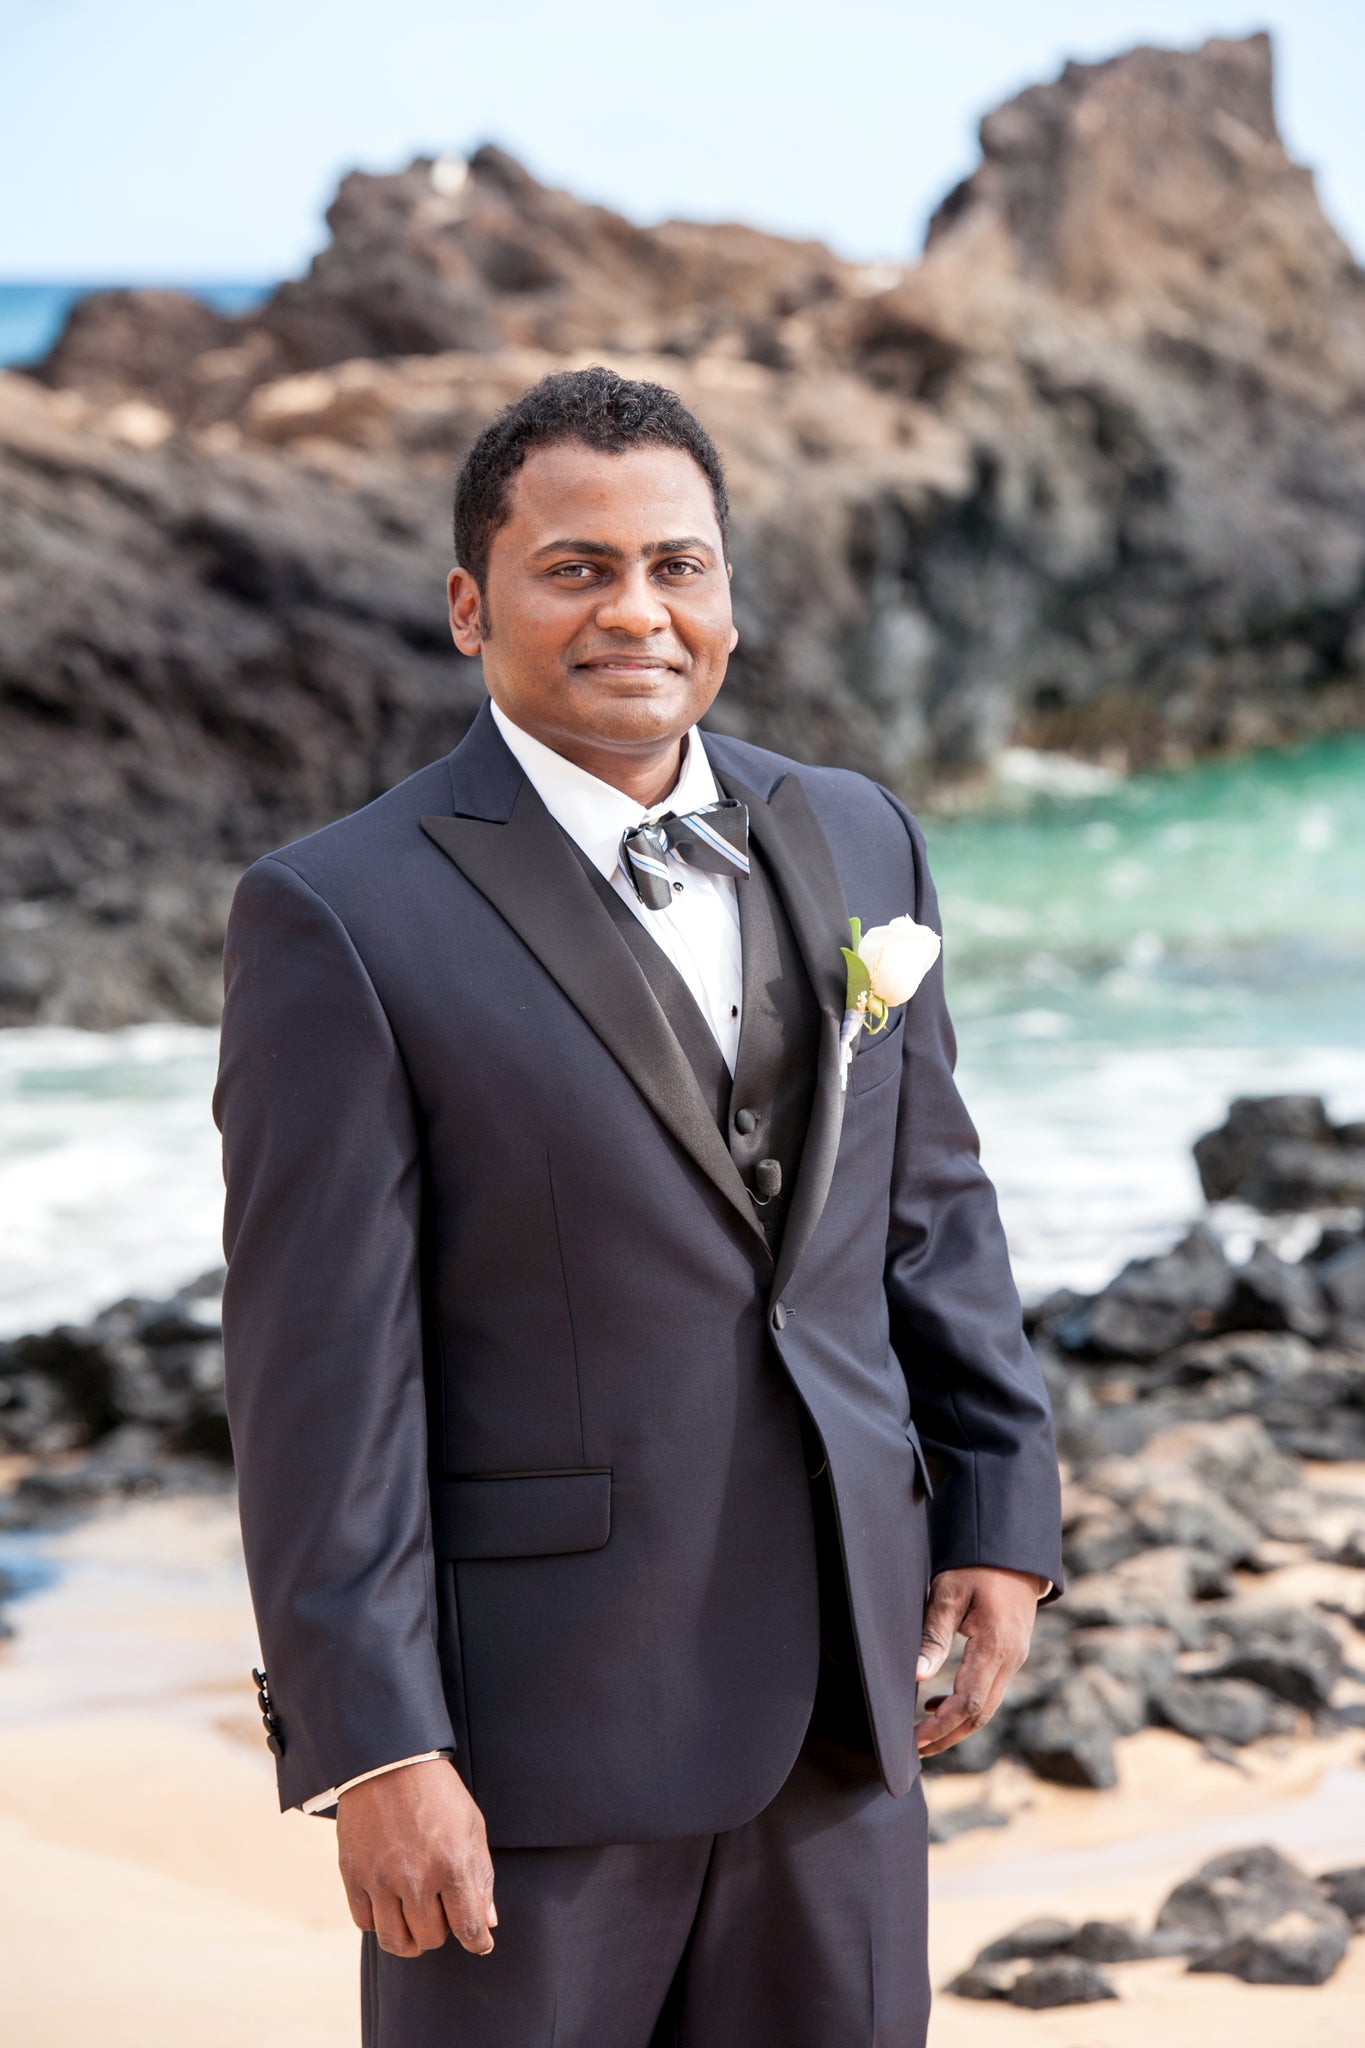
x=603 y=551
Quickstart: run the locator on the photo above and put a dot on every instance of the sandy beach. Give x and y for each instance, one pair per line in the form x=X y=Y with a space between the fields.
x=152 y=1897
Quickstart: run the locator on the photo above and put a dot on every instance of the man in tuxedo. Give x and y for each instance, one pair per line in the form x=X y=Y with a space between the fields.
x=628 y=1392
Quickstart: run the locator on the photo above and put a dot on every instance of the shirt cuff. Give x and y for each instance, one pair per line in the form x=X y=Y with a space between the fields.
x=322 y=1800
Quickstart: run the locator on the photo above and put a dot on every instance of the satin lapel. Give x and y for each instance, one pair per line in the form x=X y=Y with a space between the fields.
x=803 y=869
x=529 y=874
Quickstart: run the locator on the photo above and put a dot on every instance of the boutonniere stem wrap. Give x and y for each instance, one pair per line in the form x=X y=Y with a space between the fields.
x=885 y=966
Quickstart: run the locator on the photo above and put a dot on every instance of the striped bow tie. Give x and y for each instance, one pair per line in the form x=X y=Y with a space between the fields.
x=715 y=838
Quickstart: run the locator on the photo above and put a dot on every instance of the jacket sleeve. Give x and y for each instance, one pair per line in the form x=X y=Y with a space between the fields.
x=322 y=1341
x=979 y=1402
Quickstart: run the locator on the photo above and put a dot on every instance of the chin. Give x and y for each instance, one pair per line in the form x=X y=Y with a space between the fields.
x=627 y=719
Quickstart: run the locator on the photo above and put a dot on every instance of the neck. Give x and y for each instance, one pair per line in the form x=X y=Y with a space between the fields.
x=645 y=778
x=645 y=775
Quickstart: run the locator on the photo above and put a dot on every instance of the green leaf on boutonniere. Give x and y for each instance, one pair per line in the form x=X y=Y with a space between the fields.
x=859 y=982
x=858 y=987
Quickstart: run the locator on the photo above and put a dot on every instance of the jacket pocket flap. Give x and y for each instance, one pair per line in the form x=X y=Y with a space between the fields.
x=918 y=1448
x=521 y=1514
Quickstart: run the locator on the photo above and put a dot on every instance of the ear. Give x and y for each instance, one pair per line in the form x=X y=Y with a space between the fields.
x=462 y=593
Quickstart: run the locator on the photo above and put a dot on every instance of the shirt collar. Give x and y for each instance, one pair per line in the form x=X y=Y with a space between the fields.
x=593 y=813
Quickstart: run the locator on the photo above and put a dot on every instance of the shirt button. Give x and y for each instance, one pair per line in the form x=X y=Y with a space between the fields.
x=779 y=1315
x=745 y=1122
x=677 y=888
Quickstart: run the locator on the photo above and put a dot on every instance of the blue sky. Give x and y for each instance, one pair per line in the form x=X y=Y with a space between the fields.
x=145 y=140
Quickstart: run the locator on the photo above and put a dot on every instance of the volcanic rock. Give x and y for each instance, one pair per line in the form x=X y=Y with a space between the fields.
x=139 y=1391
x=1345 y=1889
x=1155 y=1304
x=1290 y=1653
x=1301 y=1945
x=1064 y=1980
x=1343 y=1281
x=1140 y=1657
x=1070 y=1737
x=1281 y=1152
x=965 y=1820
x=1056 y=1980
x=1089 y=475
x=1271 y=1293
x=1321 y=1413
x=1231 y=1895
x=1222 y=1710
x=1033 y=1938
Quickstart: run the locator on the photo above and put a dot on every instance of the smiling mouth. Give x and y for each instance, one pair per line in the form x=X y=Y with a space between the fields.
x=626 y=664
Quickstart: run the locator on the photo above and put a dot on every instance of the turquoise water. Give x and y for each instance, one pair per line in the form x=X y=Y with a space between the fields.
x=1223 y=899
x=1120 y=964
x=32 y=315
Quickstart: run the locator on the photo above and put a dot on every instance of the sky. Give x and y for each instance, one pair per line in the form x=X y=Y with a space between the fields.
x=155 y=140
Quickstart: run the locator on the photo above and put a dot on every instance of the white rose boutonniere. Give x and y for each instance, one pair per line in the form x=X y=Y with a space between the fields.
x=885 y=967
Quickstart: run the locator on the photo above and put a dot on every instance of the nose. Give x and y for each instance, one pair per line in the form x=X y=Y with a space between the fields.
x=633 y=605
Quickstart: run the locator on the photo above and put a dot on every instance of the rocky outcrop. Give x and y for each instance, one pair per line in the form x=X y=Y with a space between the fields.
x=1090 y=474
x=467 y=256
x=1282 y=1152
x=1252 y=1913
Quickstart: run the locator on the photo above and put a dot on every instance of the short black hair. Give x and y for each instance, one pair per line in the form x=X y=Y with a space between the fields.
x=595 y=406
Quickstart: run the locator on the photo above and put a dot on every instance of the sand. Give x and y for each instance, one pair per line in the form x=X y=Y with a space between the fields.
x=151 y=1895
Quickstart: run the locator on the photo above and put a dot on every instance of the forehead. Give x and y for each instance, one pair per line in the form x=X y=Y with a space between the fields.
x=630 y=500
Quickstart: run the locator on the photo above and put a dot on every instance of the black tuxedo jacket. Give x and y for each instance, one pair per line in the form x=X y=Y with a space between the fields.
x=516 y=1386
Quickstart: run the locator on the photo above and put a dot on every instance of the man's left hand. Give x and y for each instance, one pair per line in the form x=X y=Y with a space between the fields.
x=994 y=1609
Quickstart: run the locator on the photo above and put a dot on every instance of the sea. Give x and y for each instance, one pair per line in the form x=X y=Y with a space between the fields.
x=1123 y=957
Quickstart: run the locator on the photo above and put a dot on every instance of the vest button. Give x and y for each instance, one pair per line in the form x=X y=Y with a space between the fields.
x=745 y=1122
x=779 y=1315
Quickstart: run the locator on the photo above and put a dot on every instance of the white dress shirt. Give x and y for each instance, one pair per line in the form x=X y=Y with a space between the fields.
x=699 y=931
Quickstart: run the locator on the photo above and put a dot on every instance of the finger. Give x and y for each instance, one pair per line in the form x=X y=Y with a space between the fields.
x=941 y=1618
x=361 y=1910
x=975 y=1695
x=470 y=1919
x=960 y=1715
x=951 y=1719
x=426 y=1920
x=392 y=1930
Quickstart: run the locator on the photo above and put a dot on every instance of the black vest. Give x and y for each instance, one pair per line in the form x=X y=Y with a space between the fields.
x=764 y=1110
x=763 y=1113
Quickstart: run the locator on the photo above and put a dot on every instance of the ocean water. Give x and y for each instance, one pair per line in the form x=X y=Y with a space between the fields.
x=1121 y=962
x=32 y=315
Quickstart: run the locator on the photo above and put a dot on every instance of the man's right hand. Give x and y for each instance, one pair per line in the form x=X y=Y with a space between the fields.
x=415 y=1862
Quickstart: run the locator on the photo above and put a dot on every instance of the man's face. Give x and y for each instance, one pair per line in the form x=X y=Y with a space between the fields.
x=607 y=601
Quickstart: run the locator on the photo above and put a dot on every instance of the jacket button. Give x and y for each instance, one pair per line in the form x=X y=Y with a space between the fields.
x=745 y=1122
x=275 y=1744
x=779 y=1315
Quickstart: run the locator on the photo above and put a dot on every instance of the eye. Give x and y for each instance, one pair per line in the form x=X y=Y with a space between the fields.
x=574 y=572
x=678 y=568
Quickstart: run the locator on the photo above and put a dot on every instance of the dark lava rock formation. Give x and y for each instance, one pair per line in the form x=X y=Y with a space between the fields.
x=1089 y=475
x=1252 y=1914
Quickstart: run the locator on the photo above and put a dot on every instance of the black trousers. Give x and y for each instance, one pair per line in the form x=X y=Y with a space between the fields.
x=805 y=1928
